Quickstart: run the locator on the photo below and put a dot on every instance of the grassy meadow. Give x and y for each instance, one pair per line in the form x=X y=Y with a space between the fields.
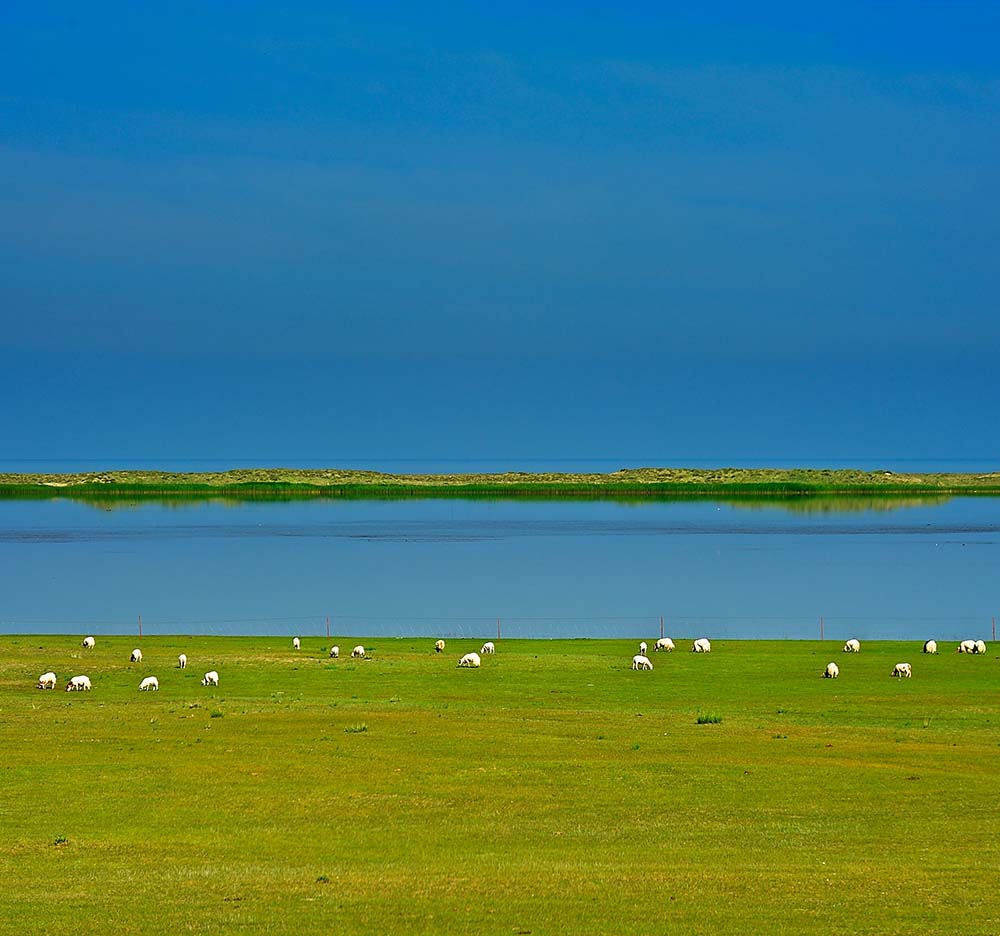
x=552 y=791
x=110 y=488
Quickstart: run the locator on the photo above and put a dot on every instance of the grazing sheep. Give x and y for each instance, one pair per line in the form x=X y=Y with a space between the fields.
x=643 y=648
x=211 y=678
x=488 y=647
x=438 y=646
x=903 y=670
x=701 y=645
x=980 y=647
x=78 y=684
x=334 y=652
x=358 y=652
x=47 y=681
x=641 y=661
x=136 y=656
x=470 y=659
x=832 y=671
x=182 y=661
x=930 y=646
x=852 y=646
x=88 y=643
x=149 y=683
x=296 y=643
x=664 y=643
x=966 y=646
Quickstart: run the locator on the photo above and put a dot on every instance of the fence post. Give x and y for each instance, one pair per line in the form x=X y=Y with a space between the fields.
x=821 y=637
x=661 y=625
x=328 y=627
x=498 y=628
x=140 y=627
x=994 y=628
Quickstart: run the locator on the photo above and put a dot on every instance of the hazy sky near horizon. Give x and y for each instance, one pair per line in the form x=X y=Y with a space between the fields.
x=474 y=230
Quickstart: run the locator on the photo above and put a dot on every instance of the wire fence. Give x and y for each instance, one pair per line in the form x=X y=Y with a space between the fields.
x=638 y=626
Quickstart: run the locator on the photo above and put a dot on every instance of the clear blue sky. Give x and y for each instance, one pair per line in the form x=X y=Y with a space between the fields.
x=670 y=231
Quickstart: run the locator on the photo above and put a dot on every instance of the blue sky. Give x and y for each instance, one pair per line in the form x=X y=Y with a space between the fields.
x=339 y=231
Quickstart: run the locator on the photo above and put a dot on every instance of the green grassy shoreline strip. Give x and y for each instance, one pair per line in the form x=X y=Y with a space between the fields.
x=643 y=483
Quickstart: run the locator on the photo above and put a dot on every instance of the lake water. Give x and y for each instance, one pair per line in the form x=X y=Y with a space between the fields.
x=545 y=569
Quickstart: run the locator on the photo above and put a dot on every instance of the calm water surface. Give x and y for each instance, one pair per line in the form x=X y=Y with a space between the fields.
x=550 y=569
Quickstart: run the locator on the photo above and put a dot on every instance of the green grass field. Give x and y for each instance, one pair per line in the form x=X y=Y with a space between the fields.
x=552 y=791
x=115 y=488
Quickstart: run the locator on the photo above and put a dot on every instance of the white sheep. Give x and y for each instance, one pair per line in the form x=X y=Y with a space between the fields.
x=470 y=659
x=980 y=647
x=966 y=646
x=47 y=681
x=438 y=646
x=641 y=661
x=358 y=652
x=832 y=671
x=88 y=643
x=149 y=683
x=136 y=656
x=642 y=648
x=296 y=643
x=211 y=678
x=701 y=645
x=903 y=670
x=78 y=684
x=182 y=661
x=930 y=646
x=488 y=647
x=334 y=652
x=664 y=643
x=852 y=646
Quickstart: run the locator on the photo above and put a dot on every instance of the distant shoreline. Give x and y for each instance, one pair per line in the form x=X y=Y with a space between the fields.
x=632 y=484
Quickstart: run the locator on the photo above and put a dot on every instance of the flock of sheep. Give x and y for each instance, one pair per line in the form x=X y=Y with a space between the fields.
x=901 y=670
x=149 y=684
x=703 y=645
x=474 y=660
x=642 y=662
x=152 y=684
x=904 y=670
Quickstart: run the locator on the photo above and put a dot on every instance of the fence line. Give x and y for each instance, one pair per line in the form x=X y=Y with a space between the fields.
x=636 y=626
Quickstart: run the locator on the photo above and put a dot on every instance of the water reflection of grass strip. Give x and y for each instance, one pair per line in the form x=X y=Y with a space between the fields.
x=803 y=504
